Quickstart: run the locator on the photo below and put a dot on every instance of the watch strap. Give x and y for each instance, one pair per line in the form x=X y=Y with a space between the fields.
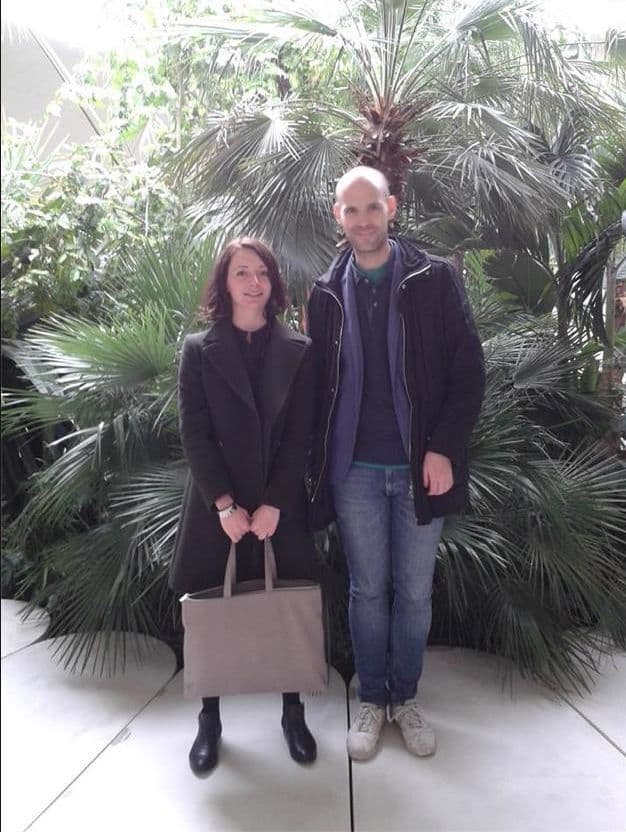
x=227 y=512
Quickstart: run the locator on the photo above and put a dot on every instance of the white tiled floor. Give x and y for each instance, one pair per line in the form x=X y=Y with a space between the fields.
x=16 y=632
x=54 y=724
x=84 y=753
x=606 y=707
x=509 y=759
x=255 y=786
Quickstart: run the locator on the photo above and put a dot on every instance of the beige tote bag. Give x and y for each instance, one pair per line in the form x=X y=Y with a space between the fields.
x=254 y=637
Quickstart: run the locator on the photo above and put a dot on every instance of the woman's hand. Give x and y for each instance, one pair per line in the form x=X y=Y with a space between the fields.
x=237 y=524
x=264 y=521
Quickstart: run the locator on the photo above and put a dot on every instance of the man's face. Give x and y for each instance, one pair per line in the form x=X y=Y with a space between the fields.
x=364 y=212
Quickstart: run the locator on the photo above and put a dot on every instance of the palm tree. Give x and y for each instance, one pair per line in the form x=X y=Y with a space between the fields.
x=99 y=522
x=480 y=123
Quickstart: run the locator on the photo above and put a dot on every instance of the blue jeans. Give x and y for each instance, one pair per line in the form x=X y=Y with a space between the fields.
x=391 y=561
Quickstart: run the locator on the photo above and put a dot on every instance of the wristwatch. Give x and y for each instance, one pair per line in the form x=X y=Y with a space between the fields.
x=227 y=512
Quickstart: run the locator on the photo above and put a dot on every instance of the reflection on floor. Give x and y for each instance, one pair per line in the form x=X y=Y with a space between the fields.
x=85 y=753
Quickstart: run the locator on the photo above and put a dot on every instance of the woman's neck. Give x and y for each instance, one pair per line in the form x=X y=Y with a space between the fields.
x=248 y=322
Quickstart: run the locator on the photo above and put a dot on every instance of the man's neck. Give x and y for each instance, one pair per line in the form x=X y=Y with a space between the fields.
x=373 y=259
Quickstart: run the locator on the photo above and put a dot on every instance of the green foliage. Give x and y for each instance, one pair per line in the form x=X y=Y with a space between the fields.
x=109 y=496
x=68 y=217
x=524 y=278
x=536 y=572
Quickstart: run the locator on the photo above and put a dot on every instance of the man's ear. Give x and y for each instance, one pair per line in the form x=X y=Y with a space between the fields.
x=392 y=206
x=336 y=211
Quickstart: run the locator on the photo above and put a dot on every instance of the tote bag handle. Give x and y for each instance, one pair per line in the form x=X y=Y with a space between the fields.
x=230 y=576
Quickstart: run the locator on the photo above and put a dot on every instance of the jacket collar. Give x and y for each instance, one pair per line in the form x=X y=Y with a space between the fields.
x=284 y=353
x=223 y=329
x=411 y=256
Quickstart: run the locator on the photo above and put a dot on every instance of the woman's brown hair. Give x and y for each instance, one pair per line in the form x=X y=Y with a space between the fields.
x=216 y=301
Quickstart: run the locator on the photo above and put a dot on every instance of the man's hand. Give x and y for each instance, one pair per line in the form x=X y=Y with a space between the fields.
x=437 y=474
x=237 y=524
x=264 y=521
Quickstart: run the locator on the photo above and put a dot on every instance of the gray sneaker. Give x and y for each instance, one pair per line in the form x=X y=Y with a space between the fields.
x=418 y=735
x=365 y=731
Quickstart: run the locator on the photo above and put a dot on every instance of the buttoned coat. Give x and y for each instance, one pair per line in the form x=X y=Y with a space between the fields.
x=232 y=449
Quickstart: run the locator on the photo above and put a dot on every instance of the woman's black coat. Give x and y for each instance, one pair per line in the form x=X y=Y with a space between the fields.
x=230 y=450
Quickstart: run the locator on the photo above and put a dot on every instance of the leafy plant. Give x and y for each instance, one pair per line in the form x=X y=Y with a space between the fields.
x=68 y=218
x=109 y=497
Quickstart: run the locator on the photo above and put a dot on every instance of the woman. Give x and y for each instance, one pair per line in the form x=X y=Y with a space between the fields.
x=245 y=403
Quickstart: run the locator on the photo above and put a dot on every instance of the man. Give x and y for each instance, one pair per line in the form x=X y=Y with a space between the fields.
x=400 y=380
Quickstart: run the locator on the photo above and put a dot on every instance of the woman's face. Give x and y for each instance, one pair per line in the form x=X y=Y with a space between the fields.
x=248 y=281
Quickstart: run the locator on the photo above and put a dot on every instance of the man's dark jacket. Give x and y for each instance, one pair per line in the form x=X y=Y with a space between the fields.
x=443 y=369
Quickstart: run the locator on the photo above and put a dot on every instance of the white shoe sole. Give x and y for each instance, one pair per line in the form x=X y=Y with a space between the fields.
x=361 y=756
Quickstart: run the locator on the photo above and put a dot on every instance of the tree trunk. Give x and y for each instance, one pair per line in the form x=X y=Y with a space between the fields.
x=458 y=260
x=612 y=368
x=562 y=292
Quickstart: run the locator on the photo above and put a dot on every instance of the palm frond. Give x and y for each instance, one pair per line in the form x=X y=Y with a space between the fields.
x=471 y=552
x=507 y=189
x=98 y=587
x=499 y=450
x=150 y=503
x=585 y=276
x=67 y=486
x=169 y=276
x=282 y=197
x=82 y=357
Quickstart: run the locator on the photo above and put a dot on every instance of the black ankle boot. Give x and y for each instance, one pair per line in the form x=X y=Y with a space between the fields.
x=301 y=744
x=203 y=754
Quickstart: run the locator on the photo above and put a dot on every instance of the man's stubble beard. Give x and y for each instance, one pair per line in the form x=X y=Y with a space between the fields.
x=378 y=245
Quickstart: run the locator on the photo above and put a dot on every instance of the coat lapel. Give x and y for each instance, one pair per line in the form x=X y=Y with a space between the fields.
x=282 y=359
x=285 y=351
x=221 y=350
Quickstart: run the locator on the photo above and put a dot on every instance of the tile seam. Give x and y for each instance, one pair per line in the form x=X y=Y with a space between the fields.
x=593 y=725
x=109 y=744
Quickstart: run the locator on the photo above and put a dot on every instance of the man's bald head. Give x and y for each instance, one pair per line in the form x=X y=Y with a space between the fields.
x=364 y=208
x=362 y=173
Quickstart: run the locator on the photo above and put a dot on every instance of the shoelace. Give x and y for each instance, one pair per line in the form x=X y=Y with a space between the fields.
x=411 y=714
x=367 y=716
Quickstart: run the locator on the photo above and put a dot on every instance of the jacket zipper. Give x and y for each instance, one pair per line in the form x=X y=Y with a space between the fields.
x=412 y=274
x=406 y=387
x=406 y=383
x=335 y=391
